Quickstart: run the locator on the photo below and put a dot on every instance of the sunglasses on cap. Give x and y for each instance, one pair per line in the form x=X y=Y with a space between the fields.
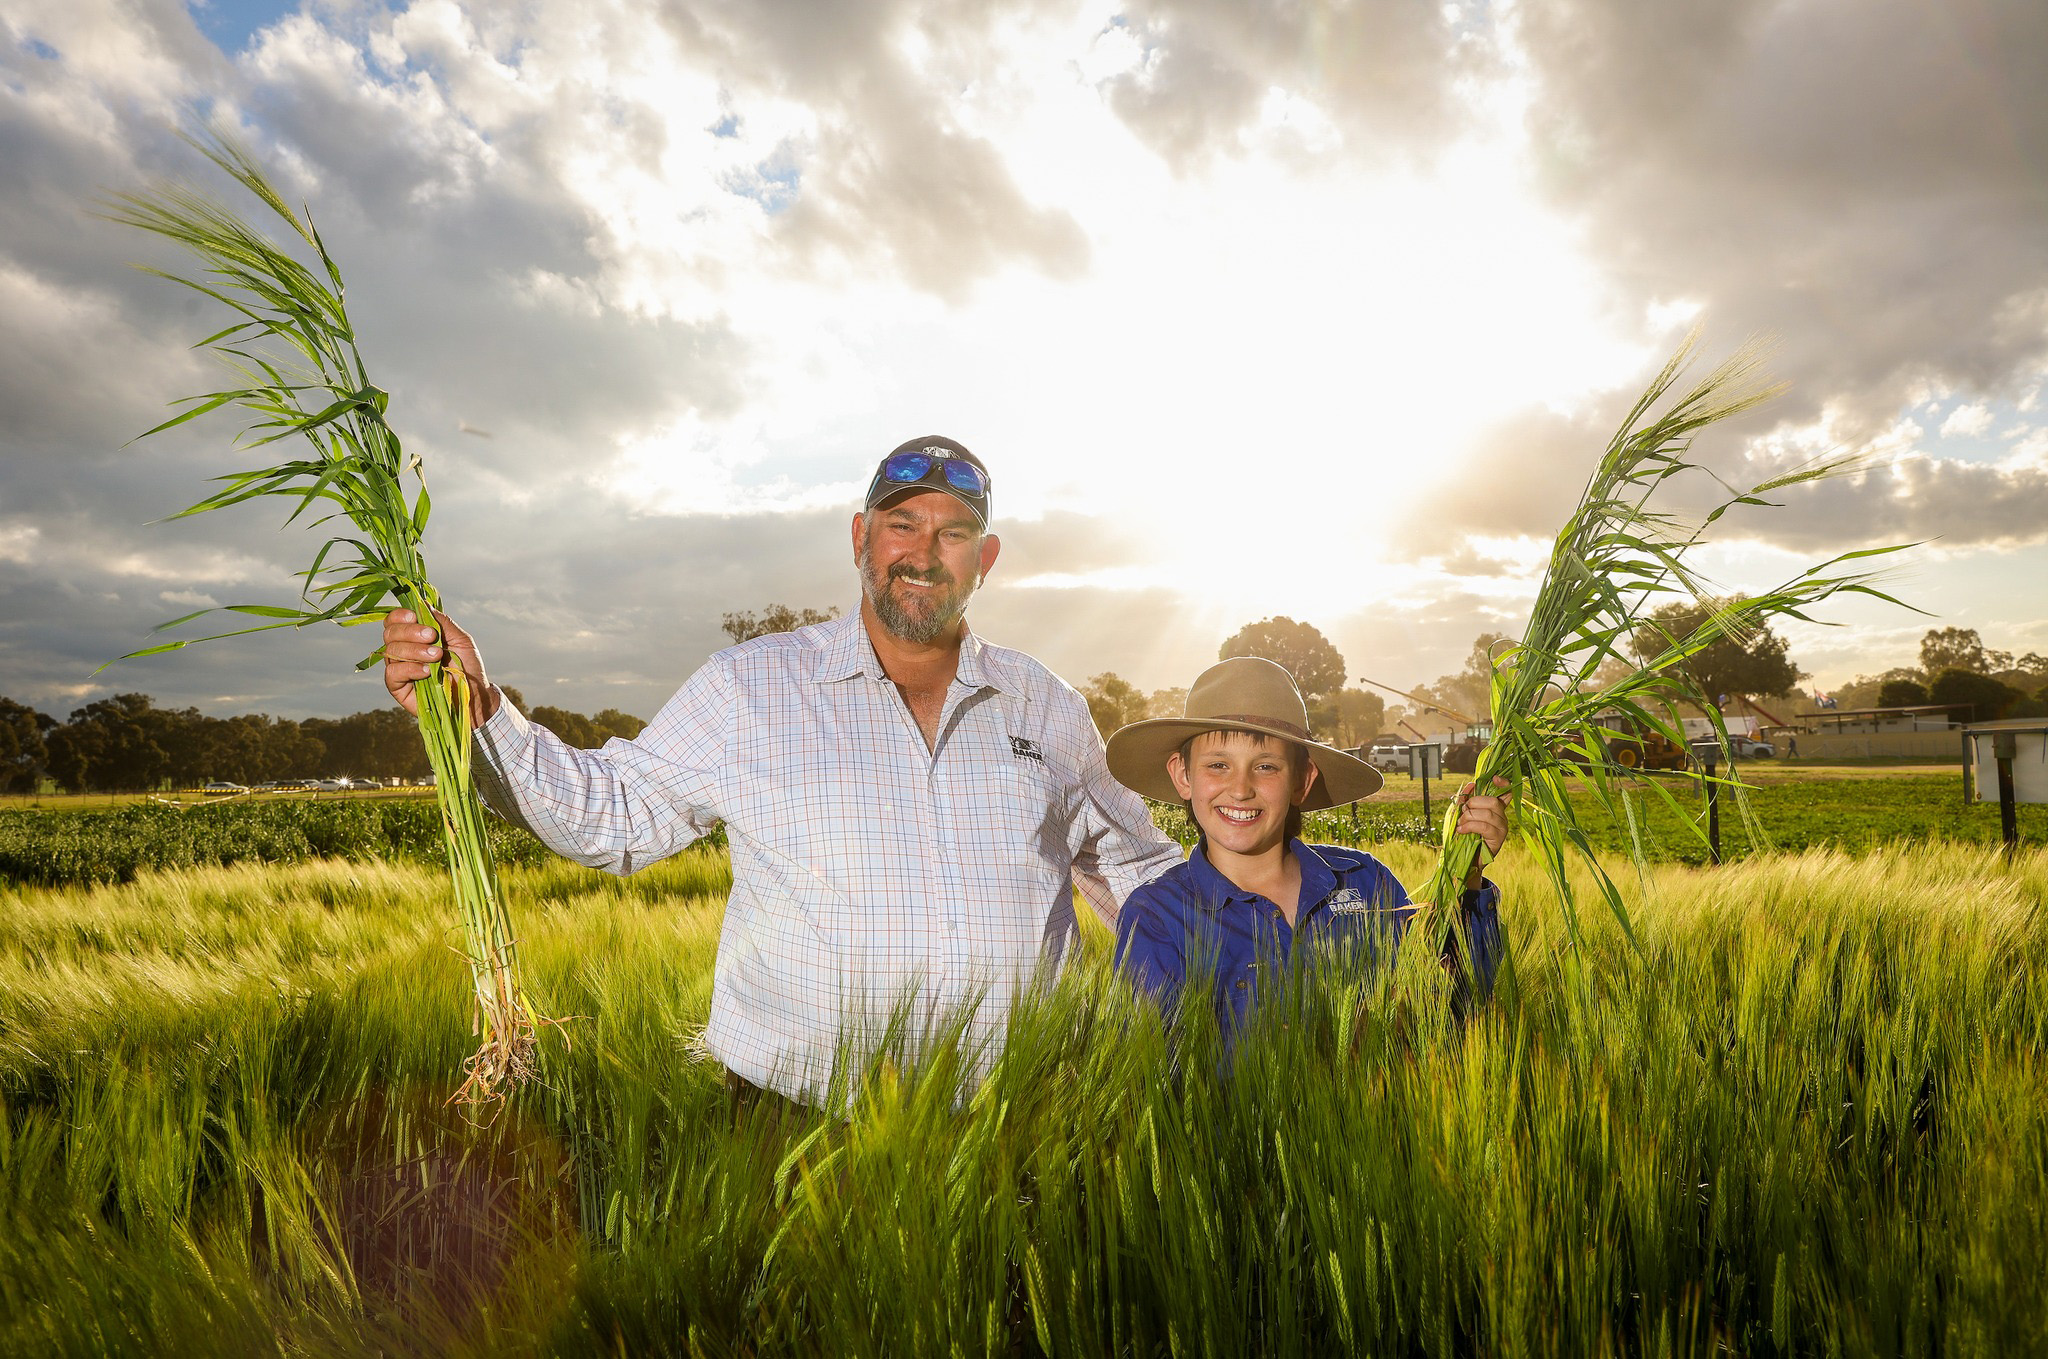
x=913 y=467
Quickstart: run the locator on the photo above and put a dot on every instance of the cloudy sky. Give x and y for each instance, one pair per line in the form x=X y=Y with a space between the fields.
x=1252 y=308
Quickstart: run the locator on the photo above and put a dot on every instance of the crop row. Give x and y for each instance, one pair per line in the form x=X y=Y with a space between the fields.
x=84 y=847
x=77 y=848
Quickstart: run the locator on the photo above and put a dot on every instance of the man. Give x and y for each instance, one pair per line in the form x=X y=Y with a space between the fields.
x=909 y=807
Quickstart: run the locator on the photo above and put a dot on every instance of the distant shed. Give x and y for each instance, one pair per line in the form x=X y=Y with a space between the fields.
x=1878 y=721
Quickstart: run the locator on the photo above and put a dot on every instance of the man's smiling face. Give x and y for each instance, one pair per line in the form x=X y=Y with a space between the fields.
x=920 y=559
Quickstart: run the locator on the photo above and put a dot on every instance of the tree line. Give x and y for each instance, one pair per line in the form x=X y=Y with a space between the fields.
x=128 y=744
x=1346 y=716
x=1349 y=717
x=1757 y=665
x=1956 y=667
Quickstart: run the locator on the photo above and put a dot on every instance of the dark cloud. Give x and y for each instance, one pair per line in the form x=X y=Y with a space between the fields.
x=1413 y=642
x=436 y=238
x=1520 y=479
x=578 y=603
x=1914 y=498
x=1523 y=476
x=937 y=208
x=1868 y=182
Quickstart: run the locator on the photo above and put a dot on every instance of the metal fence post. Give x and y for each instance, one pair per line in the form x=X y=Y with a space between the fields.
x=1713 y=814
x=1708 y=754
x=2004 y=747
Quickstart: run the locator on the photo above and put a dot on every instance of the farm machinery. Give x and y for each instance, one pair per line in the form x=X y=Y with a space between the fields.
x=1462 y=755
x=1633 y=748
x=1630 y=747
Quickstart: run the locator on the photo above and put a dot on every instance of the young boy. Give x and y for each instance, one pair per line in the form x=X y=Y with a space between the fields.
x=1244 y=764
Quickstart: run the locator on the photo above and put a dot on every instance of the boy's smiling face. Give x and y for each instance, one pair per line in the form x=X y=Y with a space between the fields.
x=1241 y=786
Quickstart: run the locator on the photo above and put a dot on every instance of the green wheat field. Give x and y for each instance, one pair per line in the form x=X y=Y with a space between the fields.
x=1804 y=1114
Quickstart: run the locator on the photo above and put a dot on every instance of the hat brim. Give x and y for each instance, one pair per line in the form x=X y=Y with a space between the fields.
x=888 y=498
x=1137 y=759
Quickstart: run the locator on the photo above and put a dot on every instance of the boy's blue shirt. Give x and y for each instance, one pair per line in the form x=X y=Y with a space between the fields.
x=1191 y=917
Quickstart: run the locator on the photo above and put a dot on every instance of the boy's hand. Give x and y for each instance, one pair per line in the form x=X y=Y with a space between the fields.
x=1486 y=816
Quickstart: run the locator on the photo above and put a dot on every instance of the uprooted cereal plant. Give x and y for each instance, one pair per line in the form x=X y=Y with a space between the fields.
x=302 y=377
x=1615 y=561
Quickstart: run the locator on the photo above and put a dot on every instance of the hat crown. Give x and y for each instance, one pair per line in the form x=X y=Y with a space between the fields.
x=1250 y=689
x=1244 y=693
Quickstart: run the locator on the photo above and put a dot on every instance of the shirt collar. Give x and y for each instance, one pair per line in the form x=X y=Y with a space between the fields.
x=849 y=651
x=1214 y=891
x=1318 y=879
x=975 y=670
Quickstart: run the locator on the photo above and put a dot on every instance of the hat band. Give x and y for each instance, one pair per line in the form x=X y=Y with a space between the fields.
x=1259 y=720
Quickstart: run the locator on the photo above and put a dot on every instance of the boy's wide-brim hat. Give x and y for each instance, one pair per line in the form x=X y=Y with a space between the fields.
x=1244 y=693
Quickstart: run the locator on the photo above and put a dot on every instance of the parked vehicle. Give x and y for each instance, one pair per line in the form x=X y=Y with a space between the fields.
x=1387 y=755
x=224 y=789
x=1743 y=738
x=340 y=785
x=1462 y=755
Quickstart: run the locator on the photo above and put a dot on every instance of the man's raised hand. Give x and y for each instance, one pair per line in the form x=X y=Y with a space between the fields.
x=410 y=647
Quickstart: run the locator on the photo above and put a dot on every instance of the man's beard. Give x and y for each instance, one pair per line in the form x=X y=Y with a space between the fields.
x=917 y=625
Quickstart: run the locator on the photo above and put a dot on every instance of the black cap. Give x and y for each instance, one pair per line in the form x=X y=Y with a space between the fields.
x=940 y=450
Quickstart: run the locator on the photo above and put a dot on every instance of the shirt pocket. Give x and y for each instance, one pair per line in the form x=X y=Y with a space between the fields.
x=1026 y=816
x=1009 y=832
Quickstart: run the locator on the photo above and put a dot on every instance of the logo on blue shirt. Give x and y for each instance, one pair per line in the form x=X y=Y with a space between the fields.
x=1026 y=750
x=1348 y=901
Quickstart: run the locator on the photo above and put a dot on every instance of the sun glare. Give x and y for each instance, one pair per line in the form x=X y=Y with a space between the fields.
x=1285 y=327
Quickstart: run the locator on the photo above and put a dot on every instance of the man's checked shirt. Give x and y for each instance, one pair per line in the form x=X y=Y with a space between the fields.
x=868 y=871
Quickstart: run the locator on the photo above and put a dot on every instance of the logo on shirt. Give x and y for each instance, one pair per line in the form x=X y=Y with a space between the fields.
x=1026 y=750
x=1348 y=901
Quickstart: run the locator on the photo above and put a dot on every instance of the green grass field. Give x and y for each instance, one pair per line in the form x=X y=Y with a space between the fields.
x=1808 y=1117
x=1842 y=807
x=61 y=842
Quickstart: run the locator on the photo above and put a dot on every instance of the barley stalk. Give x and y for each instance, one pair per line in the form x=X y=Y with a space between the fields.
x=301 y=374
x=1616 y=560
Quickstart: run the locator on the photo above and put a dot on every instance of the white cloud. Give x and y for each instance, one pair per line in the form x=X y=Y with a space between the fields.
x=1967 y=421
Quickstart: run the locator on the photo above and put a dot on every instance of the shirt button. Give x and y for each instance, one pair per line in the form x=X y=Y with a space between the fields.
x=1240 y=986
